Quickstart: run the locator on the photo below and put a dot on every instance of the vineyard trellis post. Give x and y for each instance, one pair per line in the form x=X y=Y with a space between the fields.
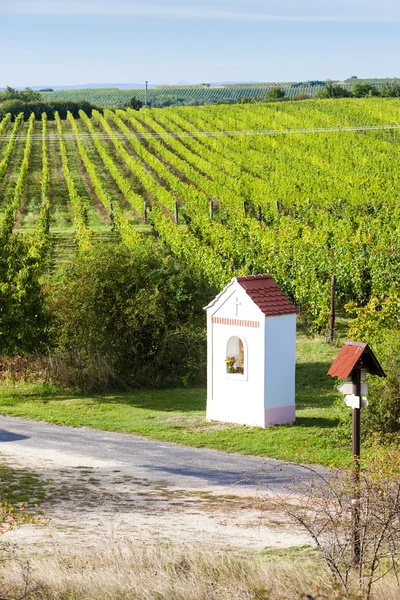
x=332 y=317
x=144 y=211
x=176 y=206
x=211 y=209
x=112 y=215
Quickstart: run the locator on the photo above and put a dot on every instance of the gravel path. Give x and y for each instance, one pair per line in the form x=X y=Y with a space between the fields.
x=112 y=486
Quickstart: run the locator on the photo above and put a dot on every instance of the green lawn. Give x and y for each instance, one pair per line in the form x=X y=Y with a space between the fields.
x=178 y=415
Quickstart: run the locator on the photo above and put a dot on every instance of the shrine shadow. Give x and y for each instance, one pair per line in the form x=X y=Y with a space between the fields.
x=191 y=399
x=314 y=389
x=319 y=422
x=10 y=436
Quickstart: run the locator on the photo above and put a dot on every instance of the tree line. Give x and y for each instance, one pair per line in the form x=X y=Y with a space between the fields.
x=28 y=101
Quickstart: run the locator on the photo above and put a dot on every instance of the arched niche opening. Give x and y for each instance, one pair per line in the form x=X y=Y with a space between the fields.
x=235 y=356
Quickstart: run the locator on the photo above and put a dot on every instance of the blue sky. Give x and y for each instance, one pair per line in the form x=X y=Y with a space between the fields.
x=65 y=42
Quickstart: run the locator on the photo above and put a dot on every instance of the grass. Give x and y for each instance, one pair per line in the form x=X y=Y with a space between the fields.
x=160 y=572
x=21 y=486
x=178 y=415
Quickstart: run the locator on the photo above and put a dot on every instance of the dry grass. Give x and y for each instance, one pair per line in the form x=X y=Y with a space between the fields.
x=163 y=573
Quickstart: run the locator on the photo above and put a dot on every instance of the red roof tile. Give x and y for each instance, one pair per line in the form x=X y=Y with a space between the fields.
x=268 y=296
x=351 y=354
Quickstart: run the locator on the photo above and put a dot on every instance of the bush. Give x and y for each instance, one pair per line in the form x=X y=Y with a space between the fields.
x=378 y=324
x=123 y=321
x=275 y=93
x=391 y=90
x=361 y=90
x=332 y=90
x=134 y=103
x=24 y=321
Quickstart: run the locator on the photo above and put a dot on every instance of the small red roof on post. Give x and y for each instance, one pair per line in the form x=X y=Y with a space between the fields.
x=267 y=294
x=352 y=355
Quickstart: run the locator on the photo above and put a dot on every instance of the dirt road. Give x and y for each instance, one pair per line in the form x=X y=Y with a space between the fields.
x=106 y=487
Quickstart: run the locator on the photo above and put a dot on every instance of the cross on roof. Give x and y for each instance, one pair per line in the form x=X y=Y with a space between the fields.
x=237 y=304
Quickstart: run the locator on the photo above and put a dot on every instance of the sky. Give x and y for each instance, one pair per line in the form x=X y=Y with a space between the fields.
x=71 y=42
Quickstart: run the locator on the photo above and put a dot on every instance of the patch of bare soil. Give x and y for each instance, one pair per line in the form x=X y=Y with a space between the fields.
x=94 y=505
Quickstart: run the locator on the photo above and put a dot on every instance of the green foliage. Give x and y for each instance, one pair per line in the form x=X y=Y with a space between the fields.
x=23 y=315
x=331 y=90
x=361 y=90
x=378 y=324
x=275 y=93
x=134 y=103
x=38 y=107
x=26 y=95
x=391 y=90
x=141 y=315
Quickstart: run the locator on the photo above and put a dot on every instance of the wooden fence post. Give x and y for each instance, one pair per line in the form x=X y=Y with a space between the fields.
x=332 y=317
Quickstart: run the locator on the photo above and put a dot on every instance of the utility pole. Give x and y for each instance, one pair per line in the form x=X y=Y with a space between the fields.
x=145 y=102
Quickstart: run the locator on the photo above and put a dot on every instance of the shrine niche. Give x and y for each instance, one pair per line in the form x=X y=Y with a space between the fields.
x=251 y=331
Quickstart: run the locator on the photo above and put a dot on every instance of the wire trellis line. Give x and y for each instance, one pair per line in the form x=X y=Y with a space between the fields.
x=233 y=133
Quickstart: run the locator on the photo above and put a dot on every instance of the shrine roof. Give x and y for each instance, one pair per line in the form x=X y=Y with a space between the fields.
x=267 y=295
x=351 y=355
x=264 y=292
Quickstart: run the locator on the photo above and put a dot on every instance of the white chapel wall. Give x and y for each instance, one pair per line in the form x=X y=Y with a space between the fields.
x=236 y=398
x=280 y=363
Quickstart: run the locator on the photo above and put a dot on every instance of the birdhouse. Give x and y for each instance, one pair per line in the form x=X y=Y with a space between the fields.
x=251 y=332
x=354 y=361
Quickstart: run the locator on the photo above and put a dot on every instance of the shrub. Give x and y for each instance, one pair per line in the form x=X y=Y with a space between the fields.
x=24 y=320
x=378 y=324
x=120 y=320
x=275 y=93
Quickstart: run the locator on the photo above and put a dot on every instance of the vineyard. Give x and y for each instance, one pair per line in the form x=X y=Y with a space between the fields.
x=197 y=94
x=230 y=190
x=110 y=97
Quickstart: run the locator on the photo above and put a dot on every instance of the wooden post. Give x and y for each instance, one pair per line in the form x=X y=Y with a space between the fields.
x=333 y=310
x=176 y=213
x=259 y=214
x=245 y=207
x=278 y=206
x=112 y=215
x=145 y=211
x=356 y=445
x=211 y=209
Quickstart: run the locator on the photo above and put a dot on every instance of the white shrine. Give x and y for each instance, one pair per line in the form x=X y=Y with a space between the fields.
x=251 y=347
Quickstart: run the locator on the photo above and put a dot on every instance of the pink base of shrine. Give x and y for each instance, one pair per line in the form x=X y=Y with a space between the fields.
x=280 y=415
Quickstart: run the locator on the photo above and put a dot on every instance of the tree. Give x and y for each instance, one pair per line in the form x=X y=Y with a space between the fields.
x=391 y=90
x=332 y=90
x=361 y=90
x=26 y=95
x=134 y=103
x=275 y=93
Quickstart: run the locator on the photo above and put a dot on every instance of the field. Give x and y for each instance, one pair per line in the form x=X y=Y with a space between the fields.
x=196 y=94
x=290 y=194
